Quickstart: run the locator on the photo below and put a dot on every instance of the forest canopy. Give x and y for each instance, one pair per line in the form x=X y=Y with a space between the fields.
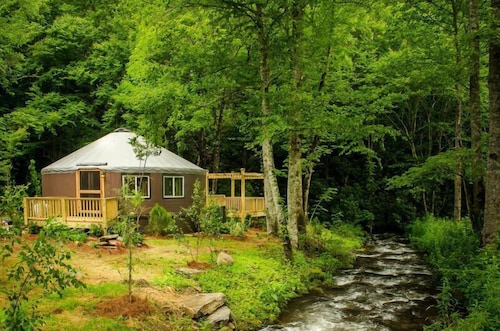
x=371 y=113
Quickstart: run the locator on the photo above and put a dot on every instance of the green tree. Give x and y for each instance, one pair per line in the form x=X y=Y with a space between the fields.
x=61 y=73
x=492 y=212
x=41 y=264
x=434 y=99
x=476 y=118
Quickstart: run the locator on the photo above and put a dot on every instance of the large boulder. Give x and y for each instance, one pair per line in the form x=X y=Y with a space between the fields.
x=202 y=304
x=224 y=259
x=221 y=317
x=188 y=271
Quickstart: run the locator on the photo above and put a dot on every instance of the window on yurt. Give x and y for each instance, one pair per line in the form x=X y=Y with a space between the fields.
x=137 y=183
x=90 y=184
x=173 y=187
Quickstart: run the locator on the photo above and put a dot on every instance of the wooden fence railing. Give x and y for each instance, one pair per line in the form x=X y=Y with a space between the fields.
x=73 y=211
x=240 y=207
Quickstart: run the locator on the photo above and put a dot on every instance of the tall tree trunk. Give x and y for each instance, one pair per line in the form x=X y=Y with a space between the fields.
x=271 y=189
x=295 y=201
x=275 y=217
x=459 y=167
x=308 y=173
x=475 y=113
x=492 y=207
x=218 y=117
x=296 y=220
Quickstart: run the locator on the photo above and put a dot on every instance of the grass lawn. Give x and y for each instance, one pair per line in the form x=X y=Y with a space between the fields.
x=258 y=285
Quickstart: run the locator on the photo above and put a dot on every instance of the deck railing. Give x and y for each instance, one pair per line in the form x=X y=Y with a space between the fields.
x=74 y=211
x=236 y=206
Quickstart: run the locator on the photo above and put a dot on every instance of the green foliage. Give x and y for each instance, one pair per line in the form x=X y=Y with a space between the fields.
x=42 y=264
x=55 y=229
x=127 y=225
x=326 y=196
x=260 y=283
x=189 y=78
x=450 y=245
x=436 y=170
x=211 y=221
x=129 y=214
x=236 y=227
x=161 y=222
x=174 y=280
x=195 y=210
x=339 y=242
x=96 y=230
x=11 y=203
x=470 y=277
x=34 y=180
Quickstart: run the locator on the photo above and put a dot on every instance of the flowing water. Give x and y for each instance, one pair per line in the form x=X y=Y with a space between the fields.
x=389 y=288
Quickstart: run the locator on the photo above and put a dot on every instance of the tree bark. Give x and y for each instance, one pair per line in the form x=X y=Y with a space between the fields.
x=295 y=199
x=218 y=117
x=459 y=167
x=275 y=218
x=296 y=220
x=273 y=208
x=309 y=170
x=492 y=207
x=475 y=113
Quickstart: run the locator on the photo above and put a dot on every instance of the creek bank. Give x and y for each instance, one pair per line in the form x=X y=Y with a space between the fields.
x=209 y=306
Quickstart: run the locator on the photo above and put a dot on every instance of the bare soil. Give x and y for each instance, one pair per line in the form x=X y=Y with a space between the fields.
x=98 y=265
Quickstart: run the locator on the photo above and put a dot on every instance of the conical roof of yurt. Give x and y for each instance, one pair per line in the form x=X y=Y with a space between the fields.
x=115 y=152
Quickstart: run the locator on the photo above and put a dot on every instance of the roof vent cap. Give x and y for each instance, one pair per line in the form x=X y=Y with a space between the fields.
x=122 y=130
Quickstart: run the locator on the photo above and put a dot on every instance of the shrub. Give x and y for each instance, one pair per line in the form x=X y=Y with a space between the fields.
x=449 y=244
x=96 y=230
x=338 y=242
x=470 y=276
x=43 y=263
x=194 y=212
x=56 y=229
x=211 y=220
x=236 y=228
x=161 y=222
x=11 y=203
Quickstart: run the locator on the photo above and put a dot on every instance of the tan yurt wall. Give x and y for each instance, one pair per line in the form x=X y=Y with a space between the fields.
x=59 y=185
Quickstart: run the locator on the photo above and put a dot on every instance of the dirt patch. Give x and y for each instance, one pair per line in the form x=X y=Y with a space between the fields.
x=98 y=265
x=125 y=306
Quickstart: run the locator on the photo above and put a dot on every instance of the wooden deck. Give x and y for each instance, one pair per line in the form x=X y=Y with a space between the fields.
x=240 y=207
x=83 y=212
x=75 y=212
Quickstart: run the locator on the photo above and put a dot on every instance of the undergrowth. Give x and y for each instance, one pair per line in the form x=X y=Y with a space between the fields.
x=469 y=277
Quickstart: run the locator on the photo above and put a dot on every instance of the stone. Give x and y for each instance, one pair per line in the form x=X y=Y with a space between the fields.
x=109 y=237
x=188 y=271
x=202 y=304
x=220 y=316
x=224 y=259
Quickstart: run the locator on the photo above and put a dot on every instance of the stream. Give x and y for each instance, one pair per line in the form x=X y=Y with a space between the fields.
x=389 y=288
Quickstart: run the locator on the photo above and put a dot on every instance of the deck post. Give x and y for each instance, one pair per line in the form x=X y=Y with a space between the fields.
x=232 y=185
x=104 y=211
x=64 y=214
x=242 y=211
x=207 y=188
x=25 y=212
